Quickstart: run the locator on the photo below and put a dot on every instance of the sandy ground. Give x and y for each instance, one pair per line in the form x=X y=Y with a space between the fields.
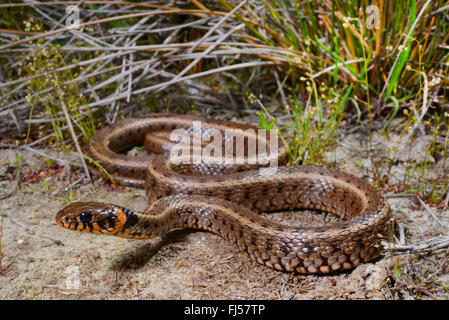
x=40 y=260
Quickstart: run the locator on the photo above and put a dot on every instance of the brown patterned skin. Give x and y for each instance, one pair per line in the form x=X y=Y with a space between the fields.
x=228 y=204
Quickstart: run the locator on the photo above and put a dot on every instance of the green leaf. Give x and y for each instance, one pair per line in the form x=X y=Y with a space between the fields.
x=403 y=58
x=264 y=123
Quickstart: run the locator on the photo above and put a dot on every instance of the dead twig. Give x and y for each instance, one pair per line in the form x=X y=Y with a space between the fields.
x=31 y=232
x=411 y=285
x=74 y=136
x=425 y=246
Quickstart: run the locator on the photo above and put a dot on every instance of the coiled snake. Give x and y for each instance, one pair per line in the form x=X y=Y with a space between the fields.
x=226 y=199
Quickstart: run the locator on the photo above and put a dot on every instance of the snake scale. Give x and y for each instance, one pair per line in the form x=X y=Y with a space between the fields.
x=226 y=200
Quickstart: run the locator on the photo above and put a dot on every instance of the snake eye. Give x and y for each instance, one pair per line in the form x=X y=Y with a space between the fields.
x=85 y=217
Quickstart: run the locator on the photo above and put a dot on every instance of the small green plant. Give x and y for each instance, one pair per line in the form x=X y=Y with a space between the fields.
x=46 y=186
x=19 y=159
x=48 y=161
x=48 y=60
x=314 y=126
x=70 y=197
x=397 y=270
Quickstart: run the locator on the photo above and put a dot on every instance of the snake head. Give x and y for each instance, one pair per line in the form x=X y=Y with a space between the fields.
x=93 y=217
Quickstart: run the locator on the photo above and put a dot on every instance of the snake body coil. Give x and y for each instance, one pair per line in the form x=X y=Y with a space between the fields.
x=226 y=200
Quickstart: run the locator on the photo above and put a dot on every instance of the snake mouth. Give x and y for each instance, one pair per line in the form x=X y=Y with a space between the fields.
x=92 y=217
